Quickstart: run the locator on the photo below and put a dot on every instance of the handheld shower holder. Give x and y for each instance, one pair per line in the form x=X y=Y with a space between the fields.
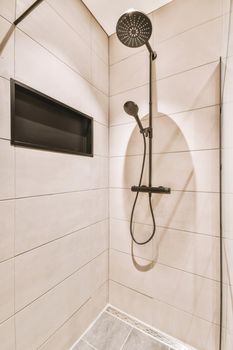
x=148 y=132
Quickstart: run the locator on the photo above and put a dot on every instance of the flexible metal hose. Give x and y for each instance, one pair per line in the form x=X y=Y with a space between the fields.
x=135 y=202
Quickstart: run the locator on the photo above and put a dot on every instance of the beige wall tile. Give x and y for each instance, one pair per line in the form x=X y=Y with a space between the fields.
x=68 y=334
x=99 y=106
x=175 y=95
x=6 y=289
x=7 y=9
x=74 y=90
x=118 y=51
x=99 y=74
x=227 y=340
x=99 y=40
x=191 y=252
x=186 y=131
x=191 y=171
x=7 y=50
x=187 y=292
x=41 y=172
x=7 y=335
x=180 y=210
x=22 y=5
x=42 y=219
x=228 y=262
x=130 y=73
x=36 y=323
x=100 y=140
x=227 y=202
x=36 y=272
x=193 y=48
x=7 y=161
x=48 y=28
x=190 y=329
x=181 y=15
x=4 y=108
x=6 y=229
x=76 y=15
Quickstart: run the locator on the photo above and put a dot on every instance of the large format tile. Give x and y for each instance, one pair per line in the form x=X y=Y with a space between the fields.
x=37 y=322
x=175 y=95
x=6 y=49
x=7 y=335
x=7 y=9
x=22 y=5
x=43 y=172
x=186 y=131
x=191 y=252
x=187 y=292
x=185 y=171
x=4 y=108
x=192 y=330
x=76 y=14
x=74 y=90
x=181 y=15
x=193 y=48
x=99 y=40
x=7 y=170
x=6 y=289
x=68 y=334
x=45 y=218
x=75 y=52
x=129 y=73
x=107 y=333
x=139 y=341
x=188 y=211
x=36 y=272
x=99 y=74
x=6 y=229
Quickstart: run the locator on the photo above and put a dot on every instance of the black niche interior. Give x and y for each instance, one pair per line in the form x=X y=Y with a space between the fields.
x=39 y=121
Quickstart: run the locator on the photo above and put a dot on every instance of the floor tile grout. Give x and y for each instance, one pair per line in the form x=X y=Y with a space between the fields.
x=122 y=347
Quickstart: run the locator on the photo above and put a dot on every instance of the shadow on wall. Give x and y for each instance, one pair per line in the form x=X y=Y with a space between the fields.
x=165 y=206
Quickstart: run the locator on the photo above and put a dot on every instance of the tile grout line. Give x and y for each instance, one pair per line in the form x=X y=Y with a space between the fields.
x=64 y=63
x=61 y=282
x=126 y=339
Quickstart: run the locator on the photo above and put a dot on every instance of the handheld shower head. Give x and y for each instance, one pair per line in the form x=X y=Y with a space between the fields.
x=132 y=109
x=134 y=28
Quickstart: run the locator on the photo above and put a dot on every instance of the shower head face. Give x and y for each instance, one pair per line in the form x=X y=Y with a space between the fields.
x=134 y=28
x=131 y=108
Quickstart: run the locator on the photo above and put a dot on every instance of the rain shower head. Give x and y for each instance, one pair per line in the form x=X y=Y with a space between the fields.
x=132 y=109
x=134 y=28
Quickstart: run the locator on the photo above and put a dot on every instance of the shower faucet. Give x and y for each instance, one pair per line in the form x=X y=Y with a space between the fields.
x=134 y=29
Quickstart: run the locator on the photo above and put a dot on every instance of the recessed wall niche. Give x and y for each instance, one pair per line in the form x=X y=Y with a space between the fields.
x=39 y=121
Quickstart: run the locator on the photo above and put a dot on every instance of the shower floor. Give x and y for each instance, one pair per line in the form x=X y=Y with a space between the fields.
x=114 y=330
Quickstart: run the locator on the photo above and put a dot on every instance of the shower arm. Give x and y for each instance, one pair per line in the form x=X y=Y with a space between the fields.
x=153 y=54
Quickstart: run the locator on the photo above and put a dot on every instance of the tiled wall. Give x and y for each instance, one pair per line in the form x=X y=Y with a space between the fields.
x=227 y=197
x=53 y=253
x=173 y=282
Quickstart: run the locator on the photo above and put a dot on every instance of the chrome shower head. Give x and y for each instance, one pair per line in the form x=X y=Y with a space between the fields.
x=132 y=109
x=134 y=28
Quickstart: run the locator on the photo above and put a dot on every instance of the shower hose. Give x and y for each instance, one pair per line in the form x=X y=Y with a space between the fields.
x=135 y=202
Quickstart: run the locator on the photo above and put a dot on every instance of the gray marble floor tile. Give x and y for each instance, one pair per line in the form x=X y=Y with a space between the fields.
x=140 y=341
x=108 y=333
x=82 y=346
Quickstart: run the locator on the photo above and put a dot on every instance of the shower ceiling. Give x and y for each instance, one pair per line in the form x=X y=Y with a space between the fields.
x=107 y=12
